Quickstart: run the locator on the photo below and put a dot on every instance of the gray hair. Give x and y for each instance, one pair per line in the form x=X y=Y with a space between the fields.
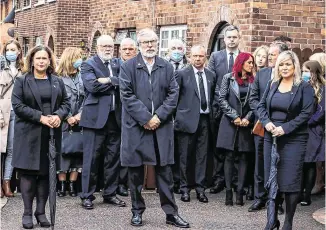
x=147 y=32
x=128 y=41
x=100 y=40
x=281 y=46
x=230 y=28
x=198 y=47
x=175 y=41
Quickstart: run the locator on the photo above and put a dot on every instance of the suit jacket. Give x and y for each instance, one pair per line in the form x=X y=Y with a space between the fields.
x=262 y=78
x=27 y=104
x=188 y=109
x=299 y=111
x=98 y=96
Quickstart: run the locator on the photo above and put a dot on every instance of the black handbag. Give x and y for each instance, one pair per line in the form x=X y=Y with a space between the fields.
x=72 y=141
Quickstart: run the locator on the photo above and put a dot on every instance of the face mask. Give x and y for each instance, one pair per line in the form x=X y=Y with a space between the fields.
x=11 y=56
x=306 y=76
x=176 y=56
x=77 y=63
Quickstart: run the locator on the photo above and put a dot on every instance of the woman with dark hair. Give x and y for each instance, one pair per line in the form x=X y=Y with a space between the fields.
x=40 y=103
x=13 y=65
x=312 y=72
x=234 y=134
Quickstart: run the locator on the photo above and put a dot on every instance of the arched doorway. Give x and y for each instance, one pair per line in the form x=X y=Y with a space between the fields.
x=217 y=37
x=95 y=37
x=51 y=43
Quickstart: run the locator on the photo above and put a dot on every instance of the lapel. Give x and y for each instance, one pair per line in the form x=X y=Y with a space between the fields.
x=273 y=89
x=69 y=83
x=191 y=74
x=225 y=57
x=54 y=90
x=248 y=93
x=294 y=91
x=141 y=64
x=209 y=84
x=33 y=86
x=101 y=66
x=235 y=87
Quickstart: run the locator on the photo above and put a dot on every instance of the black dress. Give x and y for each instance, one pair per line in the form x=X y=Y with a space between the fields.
x=44 y=87
x=291 y=147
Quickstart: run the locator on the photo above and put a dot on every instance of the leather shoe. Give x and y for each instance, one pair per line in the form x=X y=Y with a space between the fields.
x=115 y=201
x=136 y=220
x=256 y=206
x=185 y=197
x=217 y=188
x=202 y=197
x=87 y=204
x=176 y=190
x=122 y=190
x=177 y=221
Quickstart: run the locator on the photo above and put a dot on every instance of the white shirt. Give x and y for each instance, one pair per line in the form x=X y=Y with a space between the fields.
x=235 y=54
x=150 y=67
x=205 y=87
x=272 y=74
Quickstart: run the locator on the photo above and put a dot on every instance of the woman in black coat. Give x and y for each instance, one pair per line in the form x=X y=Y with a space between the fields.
x=234 y=134
x=40 y=103
x=312 y=72
x=284 y=111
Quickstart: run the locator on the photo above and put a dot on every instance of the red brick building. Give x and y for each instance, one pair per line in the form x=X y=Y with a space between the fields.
x=75 y=23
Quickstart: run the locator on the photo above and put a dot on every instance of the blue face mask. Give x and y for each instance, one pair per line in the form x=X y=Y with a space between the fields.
x=11 y=56
x=77 y=63
x=306 y=76
x=176 y=56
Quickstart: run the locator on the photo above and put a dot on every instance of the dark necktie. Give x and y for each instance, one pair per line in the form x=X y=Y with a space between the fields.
x=107 y=63
x=203 y=101
x=177 y=65
x=231 y=62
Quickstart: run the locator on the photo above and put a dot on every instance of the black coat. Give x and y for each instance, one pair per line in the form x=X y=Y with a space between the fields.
x=26 y=102
x=231 y=136
x=98 y=96
x=137 y=94
x=188 y=109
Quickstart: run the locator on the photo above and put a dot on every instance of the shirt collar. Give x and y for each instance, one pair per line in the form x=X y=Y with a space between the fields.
x=148 y=64
x=235 y=53
x=196 y=70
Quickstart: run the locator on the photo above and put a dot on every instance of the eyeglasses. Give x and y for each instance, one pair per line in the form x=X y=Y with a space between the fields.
x=129 y=49
x=107 y=46
x=149 y=42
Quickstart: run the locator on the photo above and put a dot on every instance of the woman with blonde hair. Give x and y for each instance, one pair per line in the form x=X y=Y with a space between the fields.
x=261 y=57
x=70 y=159
x=13 y=65
x=312 y=72
x=321 y=58
x=284 y=110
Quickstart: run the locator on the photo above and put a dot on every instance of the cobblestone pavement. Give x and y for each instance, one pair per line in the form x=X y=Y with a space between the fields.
x=213 y=215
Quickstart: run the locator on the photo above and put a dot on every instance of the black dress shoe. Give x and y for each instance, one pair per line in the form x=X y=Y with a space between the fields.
x=202 y=197
x=176 y=190
x=177 y=221
x=27 y=222
x=87 y=204
x=185 y=197
x=216 y=189
x=256 y=206
x=122 y=190
x=115 y=201
x=136 y=220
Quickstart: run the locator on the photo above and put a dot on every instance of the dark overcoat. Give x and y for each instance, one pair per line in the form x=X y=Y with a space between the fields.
x=230 y=136
x=138 y=89
x=26 y=102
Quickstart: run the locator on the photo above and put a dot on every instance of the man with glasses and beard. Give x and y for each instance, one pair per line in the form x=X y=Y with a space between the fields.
x=101 y=133
x=149 y=95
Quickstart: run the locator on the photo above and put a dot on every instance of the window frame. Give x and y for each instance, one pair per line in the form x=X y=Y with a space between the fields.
x=169 y=29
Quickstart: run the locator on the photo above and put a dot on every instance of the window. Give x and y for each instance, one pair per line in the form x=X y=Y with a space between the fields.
x=18 y=4
x=38 y=40
x=171 y=32
x=25 y=46
x=125 y=33
x=26 y=3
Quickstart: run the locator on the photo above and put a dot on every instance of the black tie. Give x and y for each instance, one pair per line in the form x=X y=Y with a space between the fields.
x=231 y=62
x=177 y=65
x=203 y=101
x=107 y=63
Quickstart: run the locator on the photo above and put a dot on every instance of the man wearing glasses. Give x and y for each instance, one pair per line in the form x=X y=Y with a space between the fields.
x=149 y=95
x=101 y=131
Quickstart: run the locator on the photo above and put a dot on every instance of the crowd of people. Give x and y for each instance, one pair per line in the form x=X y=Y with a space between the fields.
x=141 y=109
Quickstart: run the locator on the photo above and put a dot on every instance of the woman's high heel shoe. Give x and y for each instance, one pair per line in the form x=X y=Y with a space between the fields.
x=239 y=199
x=229 y=197
x=42 y=220
x=27 y=222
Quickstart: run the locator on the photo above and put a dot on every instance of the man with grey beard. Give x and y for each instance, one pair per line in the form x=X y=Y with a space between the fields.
x=149 y=96
x=99 y=119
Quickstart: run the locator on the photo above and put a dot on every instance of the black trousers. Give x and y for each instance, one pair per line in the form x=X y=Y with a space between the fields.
x=104 y=141
x=176 y=166
x=219 y=158
x=123 y=176
x=164 y=183
x=196 y=143
x=260 y=191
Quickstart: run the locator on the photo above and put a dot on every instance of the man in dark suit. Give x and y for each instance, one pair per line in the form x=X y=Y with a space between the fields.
x=192 y=120
x=221 y=63
x=101 y=124
x=149 y=95
x=262 y=78
x=128 y=50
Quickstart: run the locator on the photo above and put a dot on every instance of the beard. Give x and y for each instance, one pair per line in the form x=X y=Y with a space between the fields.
x=148 y=54
x=104 y=56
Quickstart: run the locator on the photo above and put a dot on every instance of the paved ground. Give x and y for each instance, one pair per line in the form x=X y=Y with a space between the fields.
x=214 y=215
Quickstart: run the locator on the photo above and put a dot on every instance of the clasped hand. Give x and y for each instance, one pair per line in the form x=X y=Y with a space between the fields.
x=74 y=120
x=104 y=80
x=241 y=122
x=52 y=121
x=153 y=123
x=276 y=131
